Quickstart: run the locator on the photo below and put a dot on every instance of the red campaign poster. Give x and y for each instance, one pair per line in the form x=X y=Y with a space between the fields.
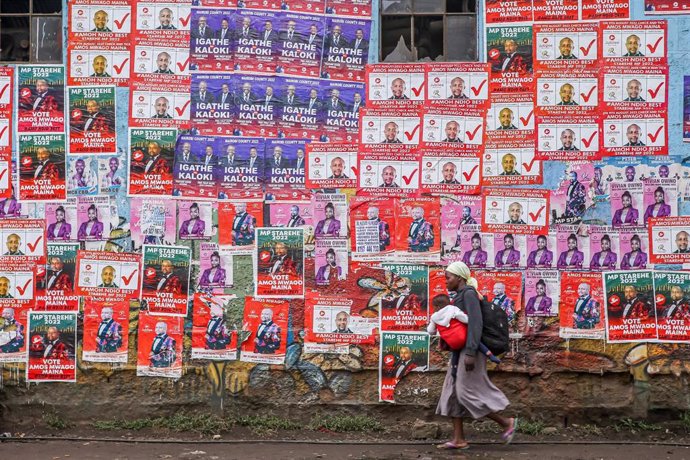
x=154 y=105
x=576 y=94
x=418 y=230
x=51 y=349
x=395 y=86
x=578 y=139
x=448 y=172
x=510 y=117
x=372 y=228
x=669 y=239
x=437 y=284
x=23 y=240
x=632 y=88
x=518 y=211
x=457 y=83
x=505 y=11
x=390 y=131
x=635 y=133
x=303 y=6
x=108 y=275
x=212 y=336
x=106 y=330
x=331 y=165
x=160 y=340
x=17 y=283
x=555 y=11
x=358 y=8
x=237 y=220
x=510 y=163
x=581 y=306
x=628 y=42
x=330 y=319
x=458 y=129
x=652 y=7
x=391 y=174
x=630 y=306
x=6 y=104
x=267 y=323
x=672 y=305
x=509 y=51
x=566 y=46
x=503 y=289
x=400 y=353
x=13 y=338
x=597 y=10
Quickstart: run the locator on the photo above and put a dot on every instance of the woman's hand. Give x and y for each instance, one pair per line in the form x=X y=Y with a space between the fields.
x=469 y=363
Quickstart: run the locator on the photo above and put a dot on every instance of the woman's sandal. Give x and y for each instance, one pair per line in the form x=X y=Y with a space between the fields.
x=508 y=434
x=450 y=445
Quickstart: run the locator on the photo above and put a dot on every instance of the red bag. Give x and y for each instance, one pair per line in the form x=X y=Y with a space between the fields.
x=455 y=334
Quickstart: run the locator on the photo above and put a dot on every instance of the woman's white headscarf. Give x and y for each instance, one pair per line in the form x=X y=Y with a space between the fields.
x=463 y=271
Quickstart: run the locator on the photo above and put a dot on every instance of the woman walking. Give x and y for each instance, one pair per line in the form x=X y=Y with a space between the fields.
x=467 y=390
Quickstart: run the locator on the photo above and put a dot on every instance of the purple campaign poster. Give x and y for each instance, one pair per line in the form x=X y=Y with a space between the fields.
x=61 y=220
x=195 y=158
x=341 y=104
x=572 y=248
x=285 y=163
x=686 y=109
x=194 y=219
x=256 y=40
x=211 y=39
x=291 y=214
x=345 y=49
x=212 y=104
x=300 y=44
x=477 y=248
x=603 y=248
x=634 y=249
x=256 y=105
x=240 y=169
x=540 y=249
x=93 y=215
x=509 y=250
x=301 y=114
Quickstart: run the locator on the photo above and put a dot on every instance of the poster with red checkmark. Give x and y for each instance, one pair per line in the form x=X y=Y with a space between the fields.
x=566 y=47
x=98 y=64
x=55 y=280
x=633 y=42
x=18 y=288
x=510 y=164
x=156 y=105
x=342 y=59
x=387 y=174
x=457 y=130
x=457 y=84
x=443 y=172
x=390 y=130
x=564 y=96
x=517 y=211
x=635 y=133
x=593 y=10
x=89 y=24
x=321 y=314
x=396 y=85
x=332 y=165
x=418 y=230
x=547 y=11
x=579 y=139
x=108 y=275
x=510 y=117
x=643 y=88
x=106 y=330
x=51 y=347
x=214 y=336
x=669 y=241
x=150 y=64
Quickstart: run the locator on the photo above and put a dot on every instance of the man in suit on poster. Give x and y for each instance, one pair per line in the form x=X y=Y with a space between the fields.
x=267 y=340
x=109 y=333
x=162 y=352
x=57 y=278
x=169 y=281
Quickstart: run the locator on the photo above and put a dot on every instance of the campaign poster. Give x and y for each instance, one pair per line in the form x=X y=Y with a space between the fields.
x=195 y=220
x=634 y=248
x=505 y=11
x=509 y=51
x=330 y=215
x=630 y=309
x=316 y=6
x=159 y=105
x=447 y=173
x=636 y=133
x=372 y=228
x=285 y=164
x=457 y=84
x=542 y=292
x=686 y=108
x=670 y=240
x=151 y=161
x=196 y=159
x=111 y=174
x=217 y=265
x=256 y=105
x=13 y=333
x=237 y=221
x=98 y=63
x=41 y=99
x=418 y=230
x=108 y=275
x=52 y=346
x=652 y=7
x=55 y=280
x=578 y=139
x=626 y=204
x=266 y=320
x=239 y=173
x=594 y=10
x=330 y=319
x=458 y=129
x=626 y=89
x=471 y=246
x=331 y=165
x=396 y=85
x=6 y=106
x=633 y=42
x=357 y=8
x=160 y=340
x=573 y=197
x=42 y=167
x=345 y=48
x=17 y=285
x=604 y=248
x=510 y=163
x=521 y=211
x=106 y=330
x=100 y=19
x=388 y=174
x=400 y=354
x=61 y=220
x=153 y=17
x=660 y=198
x=213 y=335
x=82 y=175
x=280 y=263
x=563 y=11
x=457 y=213
x=382 y=127
x=93 y=218
x=567 y=46
x=405 y=308
x=574 y=95
x=301 y=113
x=572 y=248
x=292 y=214
x=581 y=304
x=256 y=41
x=341 y=110
x=165 y=279
x=153 y=221
x=510 y=250
x=212 y=31
x=331 y=262
x=503 y=289
x=541 y=248
x=212 y=104
x=671 y=296
x=300 y=44
x=23 y=239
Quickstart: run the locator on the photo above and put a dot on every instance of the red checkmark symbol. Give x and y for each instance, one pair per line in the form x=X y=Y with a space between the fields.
x=534 y=217
x=409 y=179
x=416 y=91
x=32 y=247
x=470 y=135
x=127 y=279
x=528 y=166
x=185 y=21
x=121 y=22
x=179 y=110
x=3 y=130
x=478 y=89
x=587 y=142
x=22 y=289
x=585 y=97
x=585 y=51
x=469 y=175
x=355 y=170
x=118 y=68
x=652 y=48
x=525 y=121
x=654 y=92
x=183 y=65
x=411 y=135
x=2 y=173
x=656 y=133
x=4 y=88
